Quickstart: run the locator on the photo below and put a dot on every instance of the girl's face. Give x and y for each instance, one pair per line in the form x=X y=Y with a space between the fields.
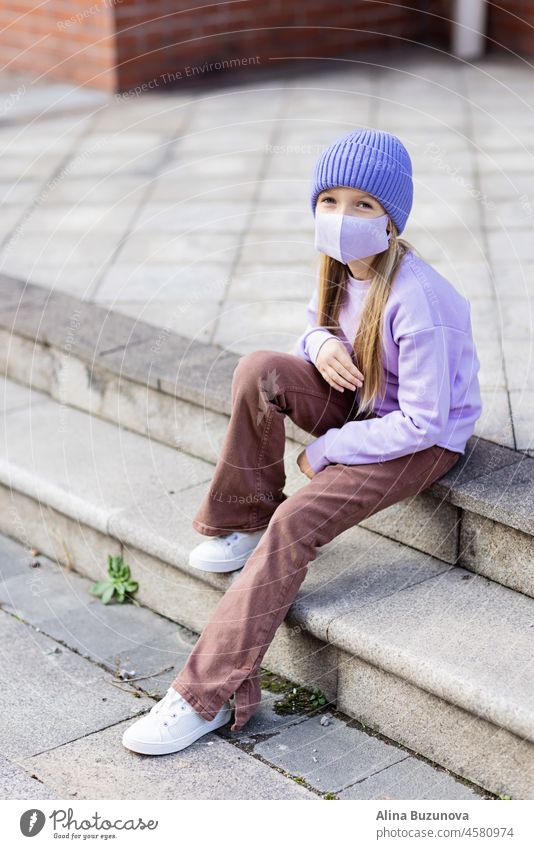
x=348 y=201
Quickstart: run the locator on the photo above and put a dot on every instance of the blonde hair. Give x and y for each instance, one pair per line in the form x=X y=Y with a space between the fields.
x=367 y=344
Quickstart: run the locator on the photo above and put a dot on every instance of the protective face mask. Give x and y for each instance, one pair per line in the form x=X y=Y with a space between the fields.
x=348 y=237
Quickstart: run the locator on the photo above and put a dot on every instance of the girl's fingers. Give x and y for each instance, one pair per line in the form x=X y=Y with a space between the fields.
x=347 y=366
x=335 y=380
x=348 y=375
x=342 y=375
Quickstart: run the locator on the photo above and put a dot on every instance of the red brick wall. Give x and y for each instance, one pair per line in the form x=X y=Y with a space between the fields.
x=119 y=44
x=511 y=27
x=70 y=40
x=156 y=37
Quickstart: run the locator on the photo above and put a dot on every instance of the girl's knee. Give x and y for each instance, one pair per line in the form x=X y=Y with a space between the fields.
x=293 y=522
x=265 y=359
x=250 y=366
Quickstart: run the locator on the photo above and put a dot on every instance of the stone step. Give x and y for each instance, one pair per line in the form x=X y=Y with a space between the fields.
x=153 y=382
x=433 y=656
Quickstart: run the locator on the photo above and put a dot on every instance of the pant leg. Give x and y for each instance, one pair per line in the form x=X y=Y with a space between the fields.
x=227 y=657
x=249 y=478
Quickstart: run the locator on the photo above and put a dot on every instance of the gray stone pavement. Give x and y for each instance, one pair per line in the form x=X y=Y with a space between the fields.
x=66 y=698
x=190 y=209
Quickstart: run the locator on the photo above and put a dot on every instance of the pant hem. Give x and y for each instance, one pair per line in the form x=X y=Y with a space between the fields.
x=190 y=697
x=210 y=530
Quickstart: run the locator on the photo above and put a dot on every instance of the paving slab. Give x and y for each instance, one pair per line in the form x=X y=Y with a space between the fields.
x=495 y=421
x=122 y=189
x=208 y=190
x=271 y=285
x=189 y=249
x=159 y=282
x=199 y=318
x=117 y=636
x=274 y=323
x=47 y=99
x=517 y=350
x=410 y=779
x=99 y=767
x=328 y=757
x=17 y=783
x=51 y=695
x=80 y=219
x=169 y=217
x=70 y=278
x=21 y=192
x=264 y=722
x=93 y=249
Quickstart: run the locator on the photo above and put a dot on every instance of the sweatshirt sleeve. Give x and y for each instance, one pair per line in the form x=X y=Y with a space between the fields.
x=426 y=367
x=308 y=344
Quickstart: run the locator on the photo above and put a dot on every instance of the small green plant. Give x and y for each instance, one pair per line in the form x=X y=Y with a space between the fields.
x=273 y=683
x=294 y=699
x=119 y=584
x=317 y=699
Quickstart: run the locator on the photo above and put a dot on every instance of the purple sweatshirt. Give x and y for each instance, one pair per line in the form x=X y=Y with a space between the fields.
x=432 y=391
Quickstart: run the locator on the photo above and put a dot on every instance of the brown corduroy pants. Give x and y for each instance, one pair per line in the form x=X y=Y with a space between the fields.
x=246 y=493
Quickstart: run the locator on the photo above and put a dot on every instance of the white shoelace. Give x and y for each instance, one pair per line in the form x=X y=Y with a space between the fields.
x=168 y=706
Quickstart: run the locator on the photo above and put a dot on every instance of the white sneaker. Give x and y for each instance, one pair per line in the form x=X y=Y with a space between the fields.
x=225 y=553
x=171 y=725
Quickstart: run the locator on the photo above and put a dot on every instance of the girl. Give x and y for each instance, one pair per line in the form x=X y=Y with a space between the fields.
x=385 y=378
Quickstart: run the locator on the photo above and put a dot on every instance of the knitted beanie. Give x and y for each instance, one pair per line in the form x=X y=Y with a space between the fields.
x=371 y=160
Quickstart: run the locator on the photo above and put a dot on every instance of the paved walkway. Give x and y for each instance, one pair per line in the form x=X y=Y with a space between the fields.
x=190 y=209
x=66 y=699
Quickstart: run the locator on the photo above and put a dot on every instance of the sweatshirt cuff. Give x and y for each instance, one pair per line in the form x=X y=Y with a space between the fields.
x=315 y=454
x=314 y=340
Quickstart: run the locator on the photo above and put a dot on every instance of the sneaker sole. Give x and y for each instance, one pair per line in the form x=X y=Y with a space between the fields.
x=146 y=748
x=223 y=566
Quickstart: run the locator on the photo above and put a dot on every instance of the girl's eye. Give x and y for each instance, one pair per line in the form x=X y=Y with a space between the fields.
x=365 y=203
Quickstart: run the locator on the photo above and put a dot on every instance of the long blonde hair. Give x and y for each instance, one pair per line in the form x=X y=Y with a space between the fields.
x=367 y=344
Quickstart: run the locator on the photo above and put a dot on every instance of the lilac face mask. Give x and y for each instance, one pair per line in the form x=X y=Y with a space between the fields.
x=348 y=237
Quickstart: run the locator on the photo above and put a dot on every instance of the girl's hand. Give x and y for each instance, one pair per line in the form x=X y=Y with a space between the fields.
x=336 y=366
x=304 y=466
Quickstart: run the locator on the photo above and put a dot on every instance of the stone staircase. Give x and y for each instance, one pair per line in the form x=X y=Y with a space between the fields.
x=418 y=622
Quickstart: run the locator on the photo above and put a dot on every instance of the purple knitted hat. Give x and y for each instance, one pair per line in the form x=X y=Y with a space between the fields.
x=371 y=160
